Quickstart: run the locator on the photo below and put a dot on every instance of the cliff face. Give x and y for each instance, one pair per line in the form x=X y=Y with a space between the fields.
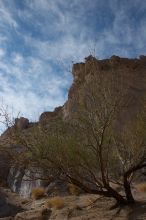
x=132 y=71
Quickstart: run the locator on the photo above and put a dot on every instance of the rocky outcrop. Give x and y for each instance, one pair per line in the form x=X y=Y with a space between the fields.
x=22 y=180
x=133 y=72
x=46 y=117
x=21 y=123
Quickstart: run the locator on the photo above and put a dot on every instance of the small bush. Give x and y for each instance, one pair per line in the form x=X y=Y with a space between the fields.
x=37 y=193
x=56 y=202
x=141 y=187
x=73 y=189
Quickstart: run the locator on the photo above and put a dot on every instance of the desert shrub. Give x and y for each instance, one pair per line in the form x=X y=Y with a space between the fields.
x=56 y=202
x=73 y=189
x=37 y=192
x=141 y=187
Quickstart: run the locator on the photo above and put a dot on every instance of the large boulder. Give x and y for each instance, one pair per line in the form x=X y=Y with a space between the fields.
x=20 y=124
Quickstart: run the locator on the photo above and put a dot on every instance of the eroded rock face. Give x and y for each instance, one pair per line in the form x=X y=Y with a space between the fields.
x=22 y=181
x=46 y=117
x=20 y=124
x=133 y=72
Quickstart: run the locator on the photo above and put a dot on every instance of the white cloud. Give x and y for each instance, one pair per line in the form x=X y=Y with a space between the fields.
x=122 y=36
x=28 y=87
x=17 y=59
x=6 y=17
x=63 y=49
x=2 y=53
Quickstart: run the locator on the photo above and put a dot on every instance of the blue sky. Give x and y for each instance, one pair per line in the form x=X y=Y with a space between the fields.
x=39 y=39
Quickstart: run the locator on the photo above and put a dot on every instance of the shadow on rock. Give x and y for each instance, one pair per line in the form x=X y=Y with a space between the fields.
x=138 y=211
x=7 y=209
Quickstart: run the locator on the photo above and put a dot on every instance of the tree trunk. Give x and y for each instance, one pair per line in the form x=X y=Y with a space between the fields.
x=108 y=192
x=127 y=186
x=127 y=189
x=117 y=196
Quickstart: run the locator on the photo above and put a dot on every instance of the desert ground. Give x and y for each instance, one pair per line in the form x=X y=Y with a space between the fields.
x=82 y=207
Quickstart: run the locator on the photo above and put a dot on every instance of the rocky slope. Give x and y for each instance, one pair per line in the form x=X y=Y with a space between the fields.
x=82 y=207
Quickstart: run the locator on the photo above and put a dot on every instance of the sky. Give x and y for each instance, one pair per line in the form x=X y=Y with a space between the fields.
x=41 y=39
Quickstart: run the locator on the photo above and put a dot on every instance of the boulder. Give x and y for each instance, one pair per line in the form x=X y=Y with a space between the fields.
x=21 y=123
x=46 y=117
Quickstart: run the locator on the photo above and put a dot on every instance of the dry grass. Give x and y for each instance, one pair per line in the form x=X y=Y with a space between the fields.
x=56 y=202
x=141 y=187
x=73 y=189
x=37 y=193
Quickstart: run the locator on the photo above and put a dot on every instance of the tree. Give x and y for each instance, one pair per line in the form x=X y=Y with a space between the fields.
x=104 y=152
x=96 y=152
x=93 y=150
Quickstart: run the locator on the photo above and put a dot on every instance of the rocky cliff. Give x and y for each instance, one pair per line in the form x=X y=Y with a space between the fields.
x=133 y=72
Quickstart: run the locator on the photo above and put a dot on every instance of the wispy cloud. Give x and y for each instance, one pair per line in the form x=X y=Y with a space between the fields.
x=30 y=86
x=6 y=17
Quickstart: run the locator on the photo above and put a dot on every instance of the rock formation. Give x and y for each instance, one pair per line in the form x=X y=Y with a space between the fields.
x=133 y=72
x=46 y=117
x=21 y=123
